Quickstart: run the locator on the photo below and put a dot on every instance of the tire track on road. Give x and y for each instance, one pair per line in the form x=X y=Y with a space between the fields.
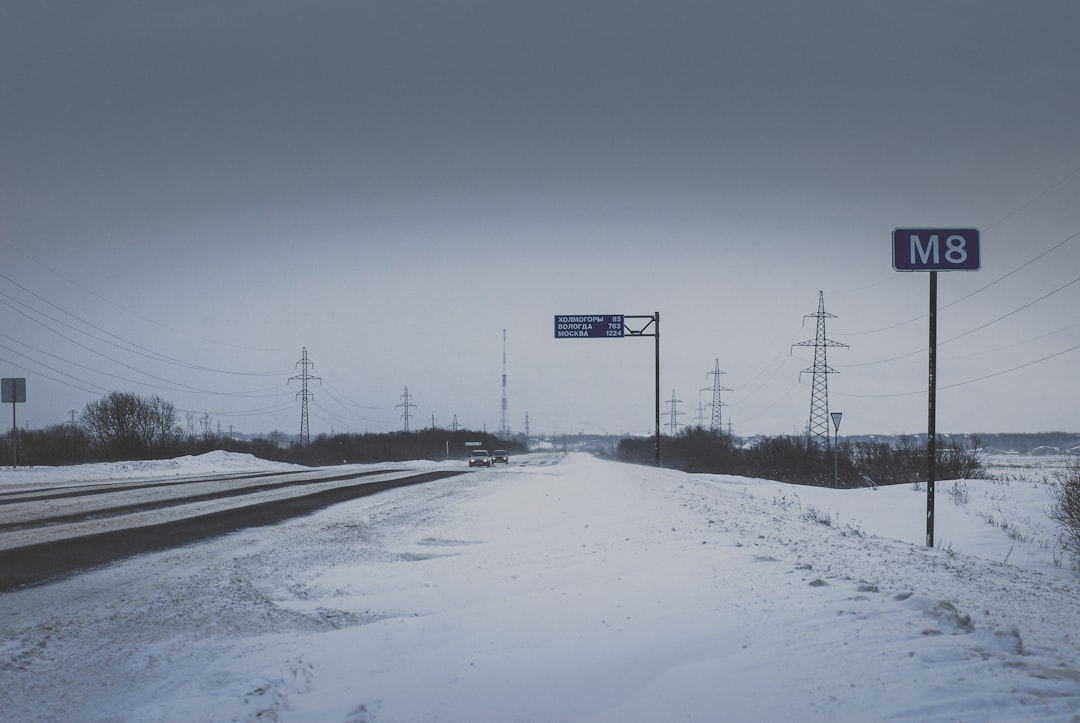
x=21 y=567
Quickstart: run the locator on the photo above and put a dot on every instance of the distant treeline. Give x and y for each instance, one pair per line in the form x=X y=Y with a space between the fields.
x=1019 y=442
x=124 y=426
x=798 y=461
x=1029 y=443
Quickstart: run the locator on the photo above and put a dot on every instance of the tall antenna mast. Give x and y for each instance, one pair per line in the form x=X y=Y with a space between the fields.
x=304 y=395
x=504 y=425
x=818 y=430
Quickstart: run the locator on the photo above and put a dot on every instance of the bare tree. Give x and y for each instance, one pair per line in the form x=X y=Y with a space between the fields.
x=124 y=425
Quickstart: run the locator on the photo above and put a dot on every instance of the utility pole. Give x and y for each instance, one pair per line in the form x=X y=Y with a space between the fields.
x=818 y=430
x=304 y=395
x=454 y=426
x=406 y=404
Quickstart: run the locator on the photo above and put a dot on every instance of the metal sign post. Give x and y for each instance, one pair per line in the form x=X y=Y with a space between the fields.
x=614 y=326
x=13 y=390
x=933 y=250
x=836 y=416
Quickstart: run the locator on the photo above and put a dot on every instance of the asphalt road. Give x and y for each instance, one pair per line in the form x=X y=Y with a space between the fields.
x=33 y=564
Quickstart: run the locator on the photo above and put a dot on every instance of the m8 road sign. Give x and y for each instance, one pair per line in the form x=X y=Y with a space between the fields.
x=586 y=326
x=936 y=249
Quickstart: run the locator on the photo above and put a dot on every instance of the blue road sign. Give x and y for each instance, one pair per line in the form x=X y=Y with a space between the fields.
x=936 y=249
x=589 y=326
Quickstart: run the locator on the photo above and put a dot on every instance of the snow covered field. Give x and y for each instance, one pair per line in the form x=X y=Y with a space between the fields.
x=563 y=588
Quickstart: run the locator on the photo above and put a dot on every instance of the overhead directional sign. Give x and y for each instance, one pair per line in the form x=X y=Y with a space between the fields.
x=589 y=326
x=936 y=249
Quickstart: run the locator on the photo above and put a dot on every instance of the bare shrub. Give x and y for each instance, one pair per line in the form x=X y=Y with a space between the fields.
x=1065 y=492
x=821 y=517
x=959 y=493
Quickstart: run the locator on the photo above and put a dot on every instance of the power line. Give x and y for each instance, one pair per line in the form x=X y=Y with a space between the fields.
x=970 y=331
x=968 y=381
x=981 y=289
x=93 y=293
x=129 y=346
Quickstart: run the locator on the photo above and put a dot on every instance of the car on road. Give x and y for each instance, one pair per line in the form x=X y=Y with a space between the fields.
x=500 y=455
x=479 y=458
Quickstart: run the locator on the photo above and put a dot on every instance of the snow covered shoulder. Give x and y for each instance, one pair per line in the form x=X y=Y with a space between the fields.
x=566 y=588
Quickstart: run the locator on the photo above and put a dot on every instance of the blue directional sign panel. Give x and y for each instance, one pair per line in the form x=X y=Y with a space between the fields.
x=589 y=326
x=936 y=249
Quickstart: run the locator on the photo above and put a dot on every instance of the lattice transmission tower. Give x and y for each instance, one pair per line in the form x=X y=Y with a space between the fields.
x=406 y=405
x=304 y=377
x=818 y=430
x=673 y=423
x=716 y=425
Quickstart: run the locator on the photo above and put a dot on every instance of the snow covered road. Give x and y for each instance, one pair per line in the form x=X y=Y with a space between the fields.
x=564 y=589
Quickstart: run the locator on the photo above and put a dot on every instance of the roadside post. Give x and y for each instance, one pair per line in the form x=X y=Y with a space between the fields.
x=836 y=447
x=13 y=390
x=615 y=326
x=933 y=250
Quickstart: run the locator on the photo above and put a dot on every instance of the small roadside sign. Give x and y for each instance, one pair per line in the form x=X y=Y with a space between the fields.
x=13 y=390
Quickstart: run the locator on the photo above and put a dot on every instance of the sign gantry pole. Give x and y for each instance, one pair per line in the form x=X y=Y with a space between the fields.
x=609 y=326
x=654 y=322
x=933 y=250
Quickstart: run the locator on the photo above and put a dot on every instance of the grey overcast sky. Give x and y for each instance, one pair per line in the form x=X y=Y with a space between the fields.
x=193 y=192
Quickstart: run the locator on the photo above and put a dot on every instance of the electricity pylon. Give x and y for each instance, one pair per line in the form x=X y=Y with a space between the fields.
x=406 y=404
x=716 y=424
x=673 y=424
x=818 y=430
x=304 y=395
